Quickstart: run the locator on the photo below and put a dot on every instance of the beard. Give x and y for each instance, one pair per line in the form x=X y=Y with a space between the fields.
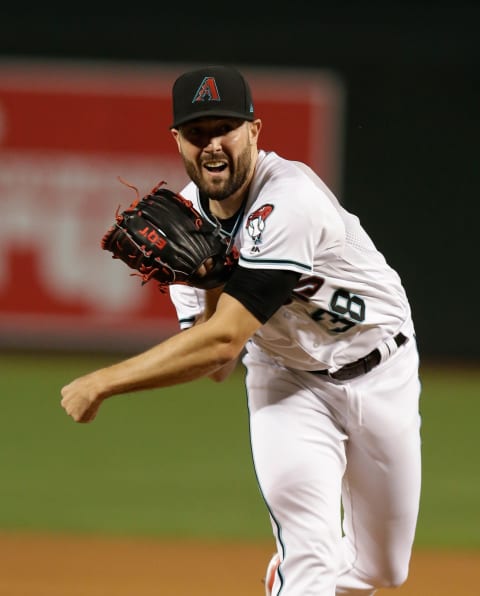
x=225 y=188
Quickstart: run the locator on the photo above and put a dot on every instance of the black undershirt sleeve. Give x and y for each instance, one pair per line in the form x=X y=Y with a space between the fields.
x=261 y=291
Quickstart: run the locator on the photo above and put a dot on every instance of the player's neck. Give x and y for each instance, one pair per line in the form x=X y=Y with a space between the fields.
x=228 y=207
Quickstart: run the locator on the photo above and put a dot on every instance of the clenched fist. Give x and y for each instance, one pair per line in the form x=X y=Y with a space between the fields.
x=81 y=399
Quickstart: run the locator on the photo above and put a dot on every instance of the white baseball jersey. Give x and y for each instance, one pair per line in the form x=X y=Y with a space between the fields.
x=348 y=300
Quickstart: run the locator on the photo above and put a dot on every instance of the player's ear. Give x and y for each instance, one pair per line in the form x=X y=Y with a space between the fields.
x=255 y=128
x=176 y=135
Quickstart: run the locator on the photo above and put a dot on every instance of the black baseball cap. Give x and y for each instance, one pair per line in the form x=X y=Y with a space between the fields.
x=211 y=91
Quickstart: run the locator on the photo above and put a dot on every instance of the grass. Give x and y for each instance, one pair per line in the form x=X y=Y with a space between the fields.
x=170 y=462
x=176 y=462
x=450 y=407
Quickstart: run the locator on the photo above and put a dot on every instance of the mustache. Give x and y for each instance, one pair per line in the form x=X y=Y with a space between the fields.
x=216 y=157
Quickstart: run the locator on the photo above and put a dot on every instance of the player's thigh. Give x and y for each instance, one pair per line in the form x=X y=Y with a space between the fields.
x=297 y=443
x=383 y=475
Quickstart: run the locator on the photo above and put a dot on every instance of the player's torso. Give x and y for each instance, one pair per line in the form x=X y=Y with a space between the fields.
x=347 y=300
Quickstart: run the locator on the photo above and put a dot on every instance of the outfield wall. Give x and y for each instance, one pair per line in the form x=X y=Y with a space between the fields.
x=67 y=132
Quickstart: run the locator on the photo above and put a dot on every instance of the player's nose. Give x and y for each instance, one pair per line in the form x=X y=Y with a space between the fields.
x=214 y=144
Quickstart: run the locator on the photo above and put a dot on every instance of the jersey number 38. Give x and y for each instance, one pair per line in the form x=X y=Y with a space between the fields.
x=345 y=309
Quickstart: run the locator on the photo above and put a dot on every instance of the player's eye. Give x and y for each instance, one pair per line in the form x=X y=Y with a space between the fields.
x=194 y=135
x=230 y=125
x=192 y=132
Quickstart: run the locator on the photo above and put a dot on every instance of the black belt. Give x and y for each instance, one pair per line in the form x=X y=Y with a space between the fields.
x=361 y=366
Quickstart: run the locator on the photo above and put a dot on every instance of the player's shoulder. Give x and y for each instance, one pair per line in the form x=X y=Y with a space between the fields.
x=271 y=167
x=276 y=174
x=289 y=185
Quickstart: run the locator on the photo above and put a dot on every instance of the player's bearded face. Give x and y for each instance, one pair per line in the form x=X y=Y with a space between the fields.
x=217 y=154
x=229 y=179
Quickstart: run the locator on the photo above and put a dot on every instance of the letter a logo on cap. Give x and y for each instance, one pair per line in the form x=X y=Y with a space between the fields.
x=207 y=91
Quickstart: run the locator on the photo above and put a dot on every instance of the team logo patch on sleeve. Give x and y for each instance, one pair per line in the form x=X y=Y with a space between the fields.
x=256 y=224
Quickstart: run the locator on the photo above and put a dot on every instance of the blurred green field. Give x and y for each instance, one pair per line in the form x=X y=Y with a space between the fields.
x=176 y=462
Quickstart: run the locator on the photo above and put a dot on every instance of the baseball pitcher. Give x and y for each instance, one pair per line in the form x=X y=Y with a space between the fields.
x=295 y=287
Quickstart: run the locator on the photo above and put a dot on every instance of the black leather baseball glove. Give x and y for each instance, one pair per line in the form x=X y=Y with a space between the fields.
x=164 y=238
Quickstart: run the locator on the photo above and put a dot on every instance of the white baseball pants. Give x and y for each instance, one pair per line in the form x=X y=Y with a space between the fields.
x=316 y=441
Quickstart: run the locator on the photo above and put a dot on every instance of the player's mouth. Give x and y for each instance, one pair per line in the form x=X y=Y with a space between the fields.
x=215 y=167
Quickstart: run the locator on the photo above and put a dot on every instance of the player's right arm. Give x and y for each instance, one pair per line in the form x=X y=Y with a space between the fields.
x=192 y=354
x=249 y=299
x=210 y=306
x=195 y=306
x=260 y=291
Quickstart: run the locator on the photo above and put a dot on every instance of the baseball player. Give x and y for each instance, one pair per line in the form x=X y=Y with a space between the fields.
x=324 y=329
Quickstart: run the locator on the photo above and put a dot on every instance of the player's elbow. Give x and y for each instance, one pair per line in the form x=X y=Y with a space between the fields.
x=226 y=340
x=222 y=373
x=222 y=368
x=228 y=350
x=227 y=334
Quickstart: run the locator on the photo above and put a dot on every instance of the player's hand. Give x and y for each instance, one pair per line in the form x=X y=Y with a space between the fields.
x=81 y=399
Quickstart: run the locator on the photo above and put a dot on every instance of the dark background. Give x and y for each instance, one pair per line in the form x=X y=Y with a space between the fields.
x=412 y=79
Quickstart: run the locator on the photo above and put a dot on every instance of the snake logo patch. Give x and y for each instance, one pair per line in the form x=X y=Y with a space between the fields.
x=256 y=225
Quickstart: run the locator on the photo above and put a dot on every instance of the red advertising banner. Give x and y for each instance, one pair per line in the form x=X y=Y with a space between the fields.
x=67 y=132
